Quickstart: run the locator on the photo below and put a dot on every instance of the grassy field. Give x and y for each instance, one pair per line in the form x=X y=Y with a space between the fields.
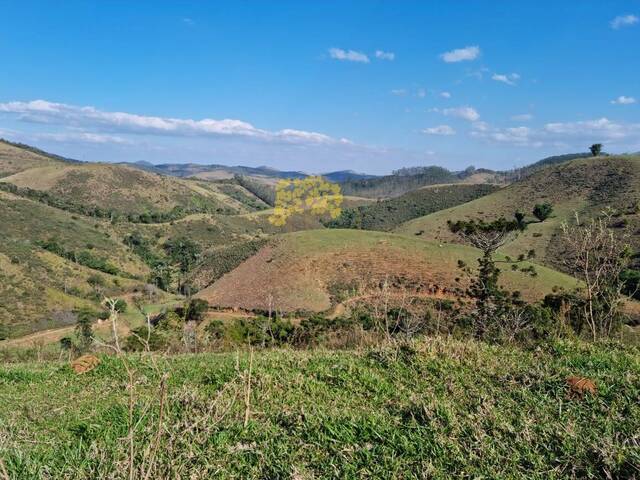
x=297 y=271
x=438 y=408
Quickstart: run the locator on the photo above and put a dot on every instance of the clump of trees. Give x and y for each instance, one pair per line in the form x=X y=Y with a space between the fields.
x=596 y=149
x=81 y=257
x=542 y=211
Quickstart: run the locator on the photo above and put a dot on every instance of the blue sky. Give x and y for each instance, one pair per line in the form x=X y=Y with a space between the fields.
x=319 y=86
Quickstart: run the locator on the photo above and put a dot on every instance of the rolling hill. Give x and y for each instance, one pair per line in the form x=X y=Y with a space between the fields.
x=47 y=258
x=108 y=190
x=586 y=186
x=302 y=271
x=387 y=214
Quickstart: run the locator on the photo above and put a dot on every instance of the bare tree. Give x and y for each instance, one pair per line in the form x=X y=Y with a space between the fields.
x=597 y=256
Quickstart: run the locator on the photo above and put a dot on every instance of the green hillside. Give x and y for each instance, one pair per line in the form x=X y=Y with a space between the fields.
x=47 y=257
x=115 y=191
x=586 y=186
x=385 y=215
x=301 y=271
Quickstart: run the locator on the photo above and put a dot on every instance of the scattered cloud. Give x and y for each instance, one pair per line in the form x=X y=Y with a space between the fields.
x=622 y=100
x=509 y=79
x=461 y=54
x=82 y=137
x=421 y=93
x=624 y=21
x=188 y=21
x=385 y=55
x=444 y=130
x=99 y=121
x=523 y=117
x=348 y=55
x=480 y=126
x=477 y=73
x=566 y=134
x=445 y=94
x=466 y=113
x=602 y=128
x=399 y=92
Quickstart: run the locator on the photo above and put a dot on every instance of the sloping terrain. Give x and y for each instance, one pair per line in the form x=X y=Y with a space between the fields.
x=387 y=214
x=301 y=271
x=212 y=231
x=15 y=158
x=106 y=190
x=586 y=186
x=47 y=257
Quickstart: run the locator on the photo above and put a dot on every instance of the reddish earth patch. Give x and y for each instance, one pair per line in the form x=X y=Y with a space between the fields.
x=293 y=282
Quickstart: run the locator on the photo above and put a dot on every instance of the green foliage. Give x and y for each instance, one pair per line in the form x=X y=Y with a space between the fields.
x=631 y=279
x=542 y=211
x=4 y=331
x=120 y=305
x=142 y=338
x=214 y=263
x=265 y=192
x=387 y=214
x=596 y=149
x=394 y=185
x=215 y=330
x=252 y=202
x=497 y=309
x=261 y=331
x=84 y=327
x=142 y=247
x=66 y=344
x=193 y=310
x=473 y=227
x=95 y=281
x=183 y=252
x=82 y=257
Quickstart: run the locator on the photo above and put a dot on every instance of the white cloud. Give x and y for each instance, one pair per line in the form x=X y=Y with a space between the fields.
x=440 y=130
x=480 y=126
x=348 y=55
x=188 y=21
x=82 y=137
x=622 y=100
x=421 y=93
x=445 y=94
x=509 y=79
x=399 y=92
x=466 y=113
x=385 y=55
x=42 y=111
x=600 y=129
x=577 y=134
x=523 y=117
x=461 y=54
x=623 y=21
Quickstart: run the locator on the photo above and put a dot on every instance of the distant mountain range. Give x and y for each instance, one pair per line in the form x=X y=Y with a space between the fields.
x=218 y=172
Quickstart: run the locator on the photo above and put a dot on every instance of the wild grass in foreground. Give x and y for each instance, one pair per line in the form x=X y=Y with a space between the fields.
x=438 y=408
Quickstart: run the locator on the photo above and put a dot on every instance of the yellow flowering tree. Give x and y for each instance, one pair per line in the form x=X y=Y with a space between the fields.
x=311 y=194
